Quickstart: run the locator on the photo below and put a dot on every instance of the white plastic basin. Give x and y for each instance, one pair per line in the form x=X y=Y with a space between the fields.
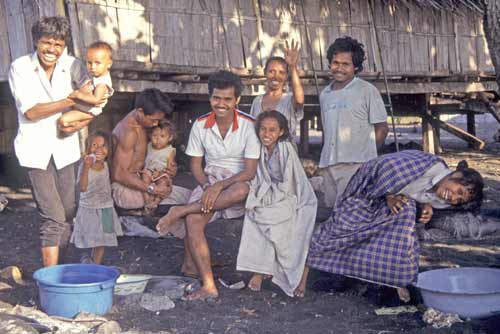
x=469 y=292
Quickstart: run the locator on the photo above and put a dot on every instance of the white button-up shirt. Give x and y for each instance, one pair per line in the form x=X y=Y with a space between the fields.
x=36 y=141
x=229 y=152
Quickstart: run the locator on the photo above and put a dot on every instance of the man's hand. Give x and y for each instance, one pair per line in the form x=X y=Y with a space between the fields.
x=292 y=53
x=427 y=213
x=396 y=202
x=209 y=196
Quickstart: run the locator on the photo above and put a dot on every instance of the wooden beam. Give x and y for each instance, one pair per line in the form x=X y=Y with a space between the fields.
x=427 y=129
x=471 y=126
x=455 y=130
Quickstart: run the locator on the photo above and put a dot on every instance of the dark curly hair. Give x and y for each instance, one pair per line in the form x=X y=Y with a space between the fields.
x=152 y=100
x=223 y=80
x=280 y=118
x=56 y=27
x=348 y=44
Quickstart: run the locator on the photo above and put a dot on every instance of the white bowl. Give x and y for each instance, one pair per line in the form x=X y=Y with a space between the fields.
x=127 y=284
x=468 y=292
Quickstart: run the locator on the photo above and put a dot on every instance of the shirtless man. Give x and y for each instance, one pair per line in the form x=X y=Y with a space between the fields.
x=131 y=141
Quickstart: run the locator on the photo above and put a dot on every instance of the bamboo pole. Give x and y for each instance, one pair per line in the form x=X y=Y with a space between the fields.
x=371 y=14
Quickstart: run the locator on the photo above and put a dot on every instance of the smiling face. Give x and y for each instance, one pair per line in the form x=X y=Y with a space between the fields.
x=276 y=75
x=342 y=68
x=270 y=132
x=160 y=138
x=98 y=62
x=452 y=191
x=49 y=50
x=99 y=147
x=223 y=101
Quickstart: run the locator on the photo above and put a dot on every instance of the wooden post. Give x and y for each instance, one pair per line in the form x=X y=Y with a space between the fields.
x=437 y=135
x=304 y=137
x=471 y=126
x=427 y=131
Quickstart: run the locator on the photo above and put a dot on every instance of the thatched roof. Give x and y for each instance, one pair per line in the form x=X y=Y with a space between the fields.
x=454 y=5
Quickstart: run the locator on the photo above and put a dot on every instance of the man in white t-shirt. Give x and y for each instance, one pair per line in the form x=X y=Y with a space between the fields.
x=226 y=139
x=353 y=115
x=41 y=84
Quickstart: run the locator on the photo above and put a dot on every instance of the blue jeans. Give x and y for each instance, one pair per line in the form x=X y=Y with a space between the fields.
x=54 y=193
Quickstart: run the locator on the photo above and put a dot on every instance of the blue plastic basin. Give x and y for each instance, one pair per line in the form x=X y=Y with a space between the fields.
x=67 y=289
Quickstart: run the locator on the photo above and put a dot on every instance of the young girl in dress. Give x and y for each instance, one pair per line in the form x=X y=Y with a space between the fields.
x=280 y=211
x=96 y=223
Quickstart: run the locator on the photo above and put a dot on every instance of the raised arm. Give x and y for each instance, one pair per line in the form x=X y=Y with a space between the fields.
x=292 y=58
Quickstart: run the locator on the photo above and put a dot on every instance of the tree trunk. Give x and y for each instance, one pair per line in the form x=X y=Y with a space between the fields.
x=491 y=25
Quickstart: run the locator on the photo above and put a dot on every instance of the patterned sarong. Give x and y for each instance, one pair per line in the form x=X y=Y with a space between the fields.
x=363 y=239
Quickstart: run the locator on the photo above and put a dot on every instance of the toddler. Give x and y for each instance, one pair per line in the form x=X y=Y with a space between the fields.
x=96 y=222
x=93 y=93
x=159 y=155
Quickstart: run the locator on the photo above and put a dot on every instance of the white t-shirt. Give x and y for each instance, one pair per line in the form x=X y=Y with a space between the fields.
x=241 y=142
x=348 y=116
x=36 y=141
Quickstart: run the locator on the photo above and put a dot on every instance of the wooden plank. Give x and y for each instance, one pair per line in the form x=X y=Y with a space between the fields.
x=460 y=133
x=5 y=57
x=427 y=129
x=78 y=46
x=16 y=29
x=471 y=126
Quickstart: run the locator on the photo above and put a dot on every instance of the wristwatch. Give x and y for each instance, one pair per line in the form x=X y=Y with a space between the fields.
x=151 y=189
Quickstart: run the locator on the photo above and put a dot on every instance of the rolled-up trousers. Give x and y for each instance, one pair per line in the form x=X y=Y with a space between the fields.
x=54 y=193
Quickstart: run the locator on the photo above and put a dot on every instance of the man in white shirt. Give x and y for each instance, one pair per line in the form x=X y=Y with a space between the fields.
x=226 y=139
x=353 y=115
x=41 y=83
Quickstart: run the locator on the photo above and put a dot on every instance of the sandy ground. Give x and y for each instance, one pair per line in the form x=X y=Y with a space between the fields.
x=243 y=311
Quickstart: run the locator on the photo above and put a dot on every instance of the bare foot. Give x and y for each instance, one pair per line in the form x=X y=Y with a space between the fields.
x=172 y=216
x=203 y=294
x=300 y=291
x=404 y=294
x=255 y=282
